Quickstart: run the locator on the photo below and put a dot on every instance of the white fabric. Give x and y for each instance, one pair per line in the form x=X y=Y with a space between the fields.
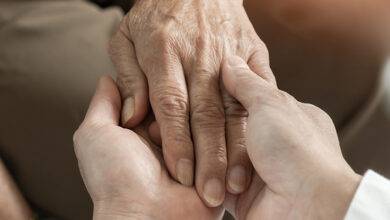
x=372 y=199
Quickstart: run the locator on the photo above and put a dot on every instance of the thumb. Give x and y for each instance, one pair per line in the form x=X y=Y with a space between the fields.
x=105 y=105
x=242 y=83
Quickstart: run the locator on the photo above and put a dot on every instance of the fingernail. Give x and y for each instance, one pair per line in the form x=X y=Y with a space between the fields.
x=237 y=62
x=185 y=172
x=237 y=179
x=213 y=192
x=128 y=110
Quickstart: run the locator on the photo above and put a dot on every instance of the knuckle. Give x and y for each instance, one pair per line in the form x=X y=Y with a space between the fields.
x=285 y=96
x=240 y=147
x=177 y=134
x=316 y=111
x=281 y=96
x=259 y=53
x=162 y=34
x=204 y=40
x=81 y=135
x=172 y=104
x=207 y=114
x=216 y=154
x=128 y=82
x=233 y=109
x=206 y=74
x=166 y=41
x=161 y=37
x=260 y=46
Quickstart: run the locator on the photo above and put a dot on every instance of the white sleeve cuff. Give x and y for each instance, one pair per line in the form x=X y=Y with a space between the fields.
x=371 y=200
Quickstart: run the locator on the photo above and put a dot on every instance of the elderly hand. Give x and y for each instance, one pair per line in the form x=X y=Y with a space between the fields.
x=294 y=149
x=123 y=171
x=175 y=48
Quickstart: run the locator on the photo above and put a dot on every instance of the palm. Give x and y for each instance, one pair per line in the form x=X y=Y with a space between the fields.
x=123 y=170
x=261 y=202
x=170 y=199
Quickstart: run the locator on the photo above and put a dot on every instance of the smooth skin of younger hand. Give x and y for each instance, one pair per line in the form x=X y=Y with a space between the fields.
x=171 y=51
x=300 y=172
x=294 y=148
x=124 y=172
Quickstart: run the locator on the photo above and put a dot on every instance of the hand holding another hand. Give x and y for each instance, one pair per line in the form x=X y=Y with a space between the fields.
x=294 y=149
x=300 y=171
x=124 y=171
x=171 y=51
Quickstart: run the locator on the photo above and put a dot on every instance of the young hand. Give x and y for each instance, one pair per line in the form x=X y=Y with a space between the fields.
x=124 y=172
x=300 y=170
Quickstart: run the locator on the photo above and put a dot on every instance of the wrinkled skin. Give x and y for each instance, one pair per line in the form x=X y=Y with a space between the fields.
x=295 y=151
x=300 y=171
x=170 y=51
x=123 y=171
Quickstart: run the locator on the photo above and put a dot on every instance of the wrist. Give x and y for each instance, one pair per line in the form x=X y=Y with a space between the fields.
x=335 y=194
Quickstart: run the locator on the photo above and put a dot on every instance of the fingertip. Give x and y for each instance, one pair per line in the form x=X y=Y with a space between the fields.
x=185 y=171
x=229 y=72
x=127 y=111
x=105 y=79
x=105 y=83
x=107 y=88
x=214 y=192
x=135 y=109
x=259 y=64
x=237 y=179
x=105 y=104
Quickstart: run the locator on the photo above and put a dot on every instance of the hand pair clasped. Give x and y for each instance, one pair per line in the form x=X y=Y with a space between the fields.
x=299 y=171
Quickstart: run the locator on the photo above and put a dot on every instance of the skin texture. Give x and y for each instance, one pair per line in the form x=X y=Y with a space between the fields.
x=171 y=51
x=300 y=171
x=126 y=178
x=124 y=172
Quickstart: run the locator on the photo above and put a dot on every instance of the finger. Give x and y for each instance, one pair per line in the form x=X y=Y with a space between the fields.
x=259 y=63
x=130 y=79
x=169 y=101
x=154 y=133
x=208 y=131
x=239 y=165
x=242 y=83
x=239 y=170
x=105 y=105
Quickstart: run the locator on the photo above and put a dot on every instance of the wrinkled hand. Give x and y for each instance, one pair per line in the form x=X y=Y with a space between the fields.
x=123 y=171
x=294 y=149
x=175 y=48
